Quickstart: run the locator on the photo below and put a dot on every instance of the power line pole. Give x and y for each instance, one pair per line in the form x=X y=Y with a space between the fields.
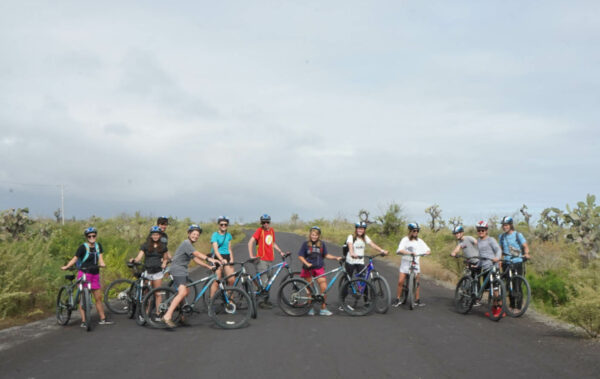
x=62 y=203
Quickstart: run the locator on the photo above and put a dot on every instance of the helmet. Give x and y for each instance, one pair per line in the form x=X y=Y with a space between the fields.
x=162 y=220
x=265 y=217
x=361 y=224
x=413 y=226
x=90 y=230
x=482 y=225
x=222 y=218
x=194 y=227
x=507 y=220
x=315 y=228
x=458 y=229
x=155 y=229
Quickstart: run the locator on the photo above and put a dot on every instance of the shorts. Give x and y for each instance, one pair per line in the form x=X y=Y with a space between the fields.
x=312 y=272
x=156 y=276
x=179 y=280
x=227 y=257
x=94 y=279
x=405 y=267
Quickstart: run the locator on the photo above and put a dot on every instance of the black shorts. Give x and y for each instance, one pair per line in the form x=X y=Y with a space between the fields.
x=179 y=280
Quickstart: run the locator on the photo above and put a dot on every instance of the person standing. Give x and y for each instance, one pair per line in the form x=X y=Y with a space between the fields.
x=410 y=246
x=357 y=244
x=513 y=244
x=489 y=253
x=163 y=223
x=221 y=250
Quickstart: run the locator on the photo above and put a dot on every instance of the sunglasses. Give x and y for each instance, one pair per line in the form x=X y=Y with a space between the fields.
x=481 y=230
x=265 y=222
x=414 y=231
x=91 y=236
x=223 y=224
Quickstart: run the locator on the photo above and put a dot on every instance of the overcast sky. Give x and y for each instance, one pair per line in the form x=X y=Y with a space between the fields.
x=320 y=108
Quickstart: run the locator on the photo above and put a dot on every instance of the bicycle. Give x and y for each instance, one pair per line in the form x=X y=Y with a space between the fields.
x=409 y=288
x=66 y=301
x=468 y=291
x=139 y=288
x=296 y=296
x=381 y=286
x=518 y=291
x=261 y=290
x=244 y=280
x=229 y=307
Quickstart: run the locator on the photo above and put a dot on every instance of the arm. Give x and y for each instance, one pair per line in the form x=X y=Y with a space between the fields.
x=101 y=261
x=215 y=247
x=70 y=263
x=276 y=247
x=351 y=250
x=138 y=257
x=455 y=251
x=251 y=247
x=526 y=250
x=201 y=259
x=374 y=246
x=332 y=257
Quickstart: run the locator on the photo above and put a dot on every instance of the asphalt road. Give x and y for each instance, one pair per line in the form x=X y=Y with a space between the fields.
x=430 y=342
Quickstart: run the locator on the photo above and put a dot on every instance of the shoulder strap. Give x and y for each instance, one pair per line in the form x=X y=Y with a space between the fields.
x=502 y=238
x=224 y=238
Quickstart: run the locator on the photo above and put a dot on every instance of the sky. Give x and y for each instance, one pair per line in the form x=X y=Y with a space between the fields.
x=199 y=109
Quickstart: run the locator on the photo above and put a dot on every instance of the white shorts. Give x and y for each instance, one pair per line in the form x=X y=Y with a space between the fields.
x=157 y=276
x=405 y=267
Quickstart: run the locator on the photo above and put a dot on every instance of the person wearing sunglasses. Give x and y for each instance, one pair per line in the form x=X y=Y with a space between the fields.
x=89 y=257
x=264 y=238
x=490 y=250
x=220 y=249
x=409 y=246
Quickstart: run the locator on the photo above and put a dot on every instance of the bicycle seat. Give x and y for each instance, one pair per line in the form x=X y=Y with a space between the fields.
x=69 y=277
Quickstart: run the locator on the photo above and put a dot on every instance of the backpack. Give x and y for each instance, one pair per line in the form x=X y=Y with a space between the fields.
x=518 y=237
x=345 y=248
x=87 y=254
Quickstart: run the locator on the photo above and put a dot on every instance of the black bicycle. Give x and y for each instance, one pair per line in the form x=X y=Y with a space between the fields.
x=380 y=285
x=518 y=291
x=74 y=294
x=409 y=289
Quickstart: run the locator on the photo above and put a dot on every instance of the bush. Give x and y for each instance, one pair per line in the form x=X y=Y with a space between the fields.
x=550 y=288
x=584 y=311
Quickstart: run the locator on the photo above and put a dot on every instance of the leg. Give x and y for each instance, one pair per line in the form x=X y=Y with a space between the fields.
x=98 y=296
x=401 y=278
x=182 y=292
x=322 y=282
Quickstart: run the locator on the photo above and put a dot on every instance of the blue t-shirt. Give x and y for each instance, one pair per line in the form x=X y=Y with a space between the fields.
x=510 y=246
x=222 y=241
x=313 y=254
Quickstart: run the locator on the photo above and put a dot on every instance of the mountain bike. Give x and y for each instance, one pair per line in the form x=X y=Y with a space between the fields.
x=262 y=290
x=411 y=283
x=244 y=280
x=139 y=289
x=296 y=296
x=468 y=291
x=518 y=291
x=74 y=294
x=382 y=288
x=229 y=307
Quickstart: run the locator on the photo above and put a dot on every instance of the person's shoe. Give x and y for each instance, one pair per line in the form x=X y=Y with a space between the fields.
x=487 y=314
x=419 y=304
x=311 y=312
x=341 y=308
x=265 y=305
x=325 y=312
x=169 y=323
x=83 y=325
x=157 y=319
x=477 y=303
x=397 y=302
x=105 y=322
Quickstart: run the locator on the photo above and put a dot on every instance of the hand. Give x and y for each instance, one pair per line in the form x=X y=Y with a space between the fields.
x=453 y=255
x=385 y=252
x=102 y=265
x=252 y=256
x=309 y=265
x=64 y=268
x=527 y=256
x=131 y=260
x=353 y=256
x=223 y=261
x=338 y=258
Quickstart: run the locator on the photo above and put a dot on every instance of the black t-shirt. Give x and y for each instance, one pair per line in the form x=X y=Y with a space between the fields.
x=153 y=257
x=91 y=263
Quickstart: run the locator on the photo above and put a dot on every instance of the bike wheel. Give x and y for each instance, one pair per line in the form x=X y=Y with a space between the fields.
x=412 y=288
x=248 y=287
x=382 y=294
x=518 y=295
x=496 y=297
x=358 y=297
x=230 y=308
x=86 y=306
x=63 y=308
x=139 y=317
x=286 y=277
x=153 y=310
x=118 y=297
x=463 y=299
x=132 y=301
x=294 y=297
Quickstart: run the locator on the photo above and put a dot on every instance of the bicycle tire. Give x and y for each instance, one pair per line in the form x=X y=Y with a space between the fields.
x=132 y=301
x=357 y=297
x=63 y=308
x=494 y=299
x=287 y=276
x=248 y=287
x=383 y=297
x=410 y=298
x=230 y=308
x=518 y=296
x=463 y=295
x=86 y=306
x=117 y=296
x=139 y=317
x=149 y=306
x=294 y=297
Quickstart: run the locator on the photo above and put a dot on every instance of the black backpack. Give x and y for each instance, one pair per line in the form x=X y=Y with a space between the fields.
x=345 y=248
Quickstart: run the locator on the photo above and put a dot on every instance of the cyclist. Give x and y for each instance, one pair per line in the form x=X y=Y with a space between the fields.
x=408 y=246
x=514 y=246
x=179 y=269
x=488 y=248
x=154 y=252
x=163 y=223
x=312 y=254
x=221 y=250
x=264 y=237
x=468 y=245
x=357 y=243
x=89 y=257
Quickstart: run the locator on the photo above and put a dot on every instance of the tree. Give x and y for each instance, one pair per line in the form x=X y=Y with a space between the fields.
x=392 y=221
x=436 y=223
x=455 y=221
x=526 y=215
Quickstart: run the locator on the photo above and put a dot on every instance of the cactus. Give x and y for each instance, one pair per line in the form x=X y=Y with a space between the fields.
x=436 y=223
x=526 y=215
x=584 y=223
x=455 y=221
x=14 y=222
x=550 y=224
x=392 y=221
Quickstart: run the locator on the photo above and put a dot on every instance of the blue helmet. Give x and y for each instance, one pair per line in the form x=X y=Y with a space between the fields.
x=414 y=226
x=162 y=220
x=361 y=224
x=315 y=228
x=222 y=218
x=194 y=227
x=265 y=218
x=90 y=230
x=507 y=220
x=458 y=229
x=155 y=229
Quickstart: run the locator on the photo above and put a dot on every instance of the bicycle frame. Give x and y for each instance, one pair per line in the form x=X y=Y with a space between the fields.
x=257 y=276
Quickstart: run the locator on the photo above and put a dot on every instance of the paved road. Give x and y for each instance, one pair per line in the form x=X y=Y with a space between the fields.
x=431 y=342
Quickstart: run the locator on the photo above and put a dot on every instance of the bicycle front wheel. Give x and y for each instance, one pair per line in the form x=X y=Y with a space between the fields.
x=412 y=288
x=382 y=294
x=86 y=306
x=118 y=296
x=294 y=297
x=358 y=297
x=463 y=300
x=230 y=308
x=518 y=296
x=155 y=305
x=63 y=308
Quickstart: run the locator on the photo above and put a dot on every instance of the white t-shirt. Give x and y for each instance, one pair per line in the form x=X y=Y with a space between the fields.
x=359 y=249
x=417 y=246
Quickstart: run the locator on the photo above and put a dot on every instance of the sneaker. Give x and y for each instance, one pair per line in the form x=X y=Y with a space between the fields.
x=170 y=324
x=325 y=312
x=83 y=325
x=105 y=322
x=397 y=302
x=496 y=312
x=477 y=303
x=487 y=314
x=311 y=312
x=157 y=319
x=341 y=308
x=419 y=304
x=265 y=305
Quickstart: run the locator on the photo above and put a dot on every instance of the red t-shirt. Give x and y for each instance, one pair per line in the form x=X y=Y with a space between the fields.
x=265 y=240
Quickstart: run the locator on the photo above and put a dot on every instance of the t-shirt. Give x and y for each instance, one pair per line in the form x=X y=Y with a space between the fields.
x=91 y=263
x=359 y=249
x=488 y=248
x=417 y=246
x=469 y=248
x=153 y=257
x=222 y=241
x=510 y=245
x=181 y=259
x=265 y=240
x=313 y=253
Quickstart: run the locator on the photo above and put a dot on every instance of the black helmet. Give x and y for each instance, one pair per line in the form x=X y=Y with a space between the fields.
x=194 y=227
x=265 y=218
x=361 y=224
x=413 y=226
x=162 y=220
x=90 y=230
x=222 y=218
x=458 y=229
x=507 y=220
